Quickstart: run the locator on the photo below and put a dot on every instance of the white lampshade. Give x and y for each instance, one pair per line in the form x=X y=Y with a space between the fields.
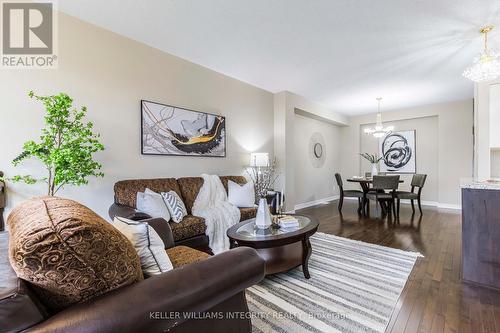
x=259 y=159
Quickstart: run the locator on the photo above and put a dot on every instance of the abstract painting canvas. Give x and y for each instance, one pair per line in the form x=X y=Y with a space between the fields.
x=171 y=130
x=397 y=150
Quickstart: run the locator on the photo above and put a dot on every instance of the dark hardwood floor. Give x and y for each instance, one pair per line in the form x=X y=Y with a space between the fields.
x=434 y=298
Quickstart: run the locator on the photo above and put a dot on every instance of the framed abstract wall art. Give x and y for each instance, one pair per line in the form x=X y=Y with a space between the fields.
x=171 y=130
x=398 y=153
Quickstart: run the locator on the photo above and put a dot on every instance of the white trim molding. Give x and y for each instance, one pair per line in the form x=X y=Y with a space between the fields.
x=316 y=202
x=435 y=204
x=428 y=204
x=405 y=202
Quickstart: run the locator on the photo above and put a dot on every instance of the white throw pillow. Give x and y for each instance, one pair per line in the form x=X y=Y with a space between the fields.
x=152 y=204
x=175 y=205
x=147 y=243
x=241 y=196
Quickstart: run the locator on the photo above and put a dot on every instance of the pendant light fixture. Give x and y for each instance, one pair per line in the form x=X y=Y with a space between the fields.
x=486 y=65
x=379 y=130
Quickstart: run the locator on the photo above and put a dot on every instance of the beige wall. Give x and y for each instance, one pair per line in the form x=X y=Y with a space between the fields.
x=455 y=144
x=314 y=183
x=495 y=163
x=110 y=74
x=426 y=150
x=286 y=105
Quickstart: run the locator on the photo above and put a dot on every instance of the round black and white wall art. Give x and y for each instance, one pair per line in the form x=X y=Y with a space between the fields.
x=317 y=152
x=398 y=152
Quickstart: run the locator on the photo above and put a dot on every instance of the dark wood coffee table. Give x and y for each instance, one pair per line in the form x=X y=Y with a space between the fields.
x=282 y=249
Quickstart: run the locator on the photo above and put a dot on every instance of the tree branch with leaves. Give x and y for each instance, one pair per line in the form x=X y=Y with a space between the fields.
x=66 y=146
x=371 y=158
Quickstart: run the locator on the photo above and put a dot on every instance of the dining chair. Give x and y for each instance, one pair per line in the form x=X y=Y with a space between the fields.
x=348 y=194
x=380 y=184
x=417 y=181
x=369 y=174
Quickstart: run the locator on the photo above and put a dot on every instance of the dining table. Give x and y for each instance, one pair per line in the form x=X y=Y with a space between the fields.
x=365 y=182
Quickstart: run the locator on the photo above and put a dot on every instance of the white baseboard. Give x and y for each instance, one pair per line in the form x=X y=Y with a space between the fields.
x=427 y=203
x=435 y=204
x=316 y=202
x=449 y=206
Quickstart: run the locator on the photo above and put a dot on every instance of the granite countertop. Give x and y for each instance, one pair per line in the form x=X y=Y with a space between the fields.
x=490 y=184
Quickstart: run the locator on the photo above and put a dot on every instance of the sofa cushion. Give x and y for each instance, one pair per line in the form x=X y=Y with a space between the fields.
x=175 y=205
x=190 y=226
x=248 y=213
x=183 y=255
x=152 y=203
x=242 y=196
x=147 y=243
x=126 y=190
x=68 y=253
x=190 y=186
x=240 y=180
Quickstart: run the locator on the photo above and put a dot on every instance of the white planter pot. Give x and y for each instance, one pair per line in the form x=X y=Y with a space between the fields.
x=374 y=169
x=263 y=220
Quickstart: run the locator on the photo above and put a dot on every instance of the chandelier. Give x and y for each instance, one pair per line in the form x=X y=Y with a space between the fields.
x=486 y=65
x=379 y=130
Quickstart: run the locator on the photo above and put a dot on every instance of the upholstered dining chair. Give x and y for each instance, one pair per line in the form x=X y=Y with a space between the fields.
x=417 y=181
x=369 y=174
x=348 y=194
x=380 y=184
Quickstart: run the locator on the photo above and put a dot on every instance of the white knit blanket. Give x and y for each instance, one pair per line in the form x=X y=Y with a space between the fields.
x=211 y=204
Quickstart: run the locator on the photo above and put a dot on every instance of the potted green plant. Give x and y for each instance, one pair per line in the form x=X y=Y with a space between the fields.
x=373 y=159
x=66 y=146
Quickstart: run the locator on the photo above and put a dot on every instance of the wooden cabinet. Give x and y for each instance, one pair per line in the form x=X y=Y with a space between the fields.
x=481 y=237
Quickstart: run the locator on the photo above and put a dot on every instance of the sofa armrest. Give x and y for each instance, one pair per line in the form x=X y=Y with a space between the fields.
x=161 y=226
x=163 y=230
x=126 y=212
x=159 y=303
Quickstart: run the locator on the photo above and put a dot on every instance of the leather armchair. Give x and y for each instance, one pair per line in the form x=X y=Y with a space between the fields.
x=164 y=303
x=211 y=290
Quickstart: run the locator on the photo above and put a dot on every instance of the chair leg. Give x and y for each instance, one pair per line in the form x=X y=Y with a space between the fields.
x=412 y=207
x=419 y=205
x=399 y=206
x=382 y=207
x=360 y=206
x=394 y=207
x=341 y=202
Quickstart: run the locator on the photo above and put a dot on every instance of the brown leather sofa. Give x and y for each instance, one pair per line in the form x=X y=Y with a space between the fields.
x=200 y=284
x=191 y=230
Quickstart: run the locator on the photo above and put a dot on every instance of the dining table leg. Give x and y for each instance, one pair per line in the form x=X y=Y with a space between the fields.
x=366 y=204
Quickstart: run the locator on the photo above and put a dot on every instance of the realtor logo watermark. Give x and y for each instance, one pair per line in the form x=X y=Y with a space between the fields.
x=28 y=35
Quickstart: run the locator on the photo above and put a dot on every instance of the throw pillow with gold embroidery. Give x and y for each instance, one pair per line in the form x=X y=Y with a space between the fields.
x=68 y=253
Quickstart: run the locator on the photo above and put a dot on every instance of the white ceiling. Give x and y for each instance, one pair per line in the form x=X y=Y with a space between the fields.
x=341 y=53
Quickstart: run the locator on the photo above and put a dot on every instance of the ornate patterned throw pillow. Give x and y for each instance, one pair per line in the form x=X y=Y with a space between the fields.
x=68 y=253
x=175 y=206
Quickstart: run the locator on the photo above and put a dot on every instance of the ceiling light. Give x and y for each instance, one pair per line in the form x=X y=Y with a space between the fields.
x=379 y=130
x=486 y=65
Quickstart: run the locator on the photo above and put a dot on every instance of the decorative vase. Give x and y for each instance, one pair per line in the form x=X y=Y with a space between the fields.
x=374 y=169
x=263 y=220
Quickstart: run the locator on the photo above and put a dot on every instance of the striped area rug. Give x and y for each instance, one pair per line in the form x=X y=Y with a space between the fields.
x=354 y=287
